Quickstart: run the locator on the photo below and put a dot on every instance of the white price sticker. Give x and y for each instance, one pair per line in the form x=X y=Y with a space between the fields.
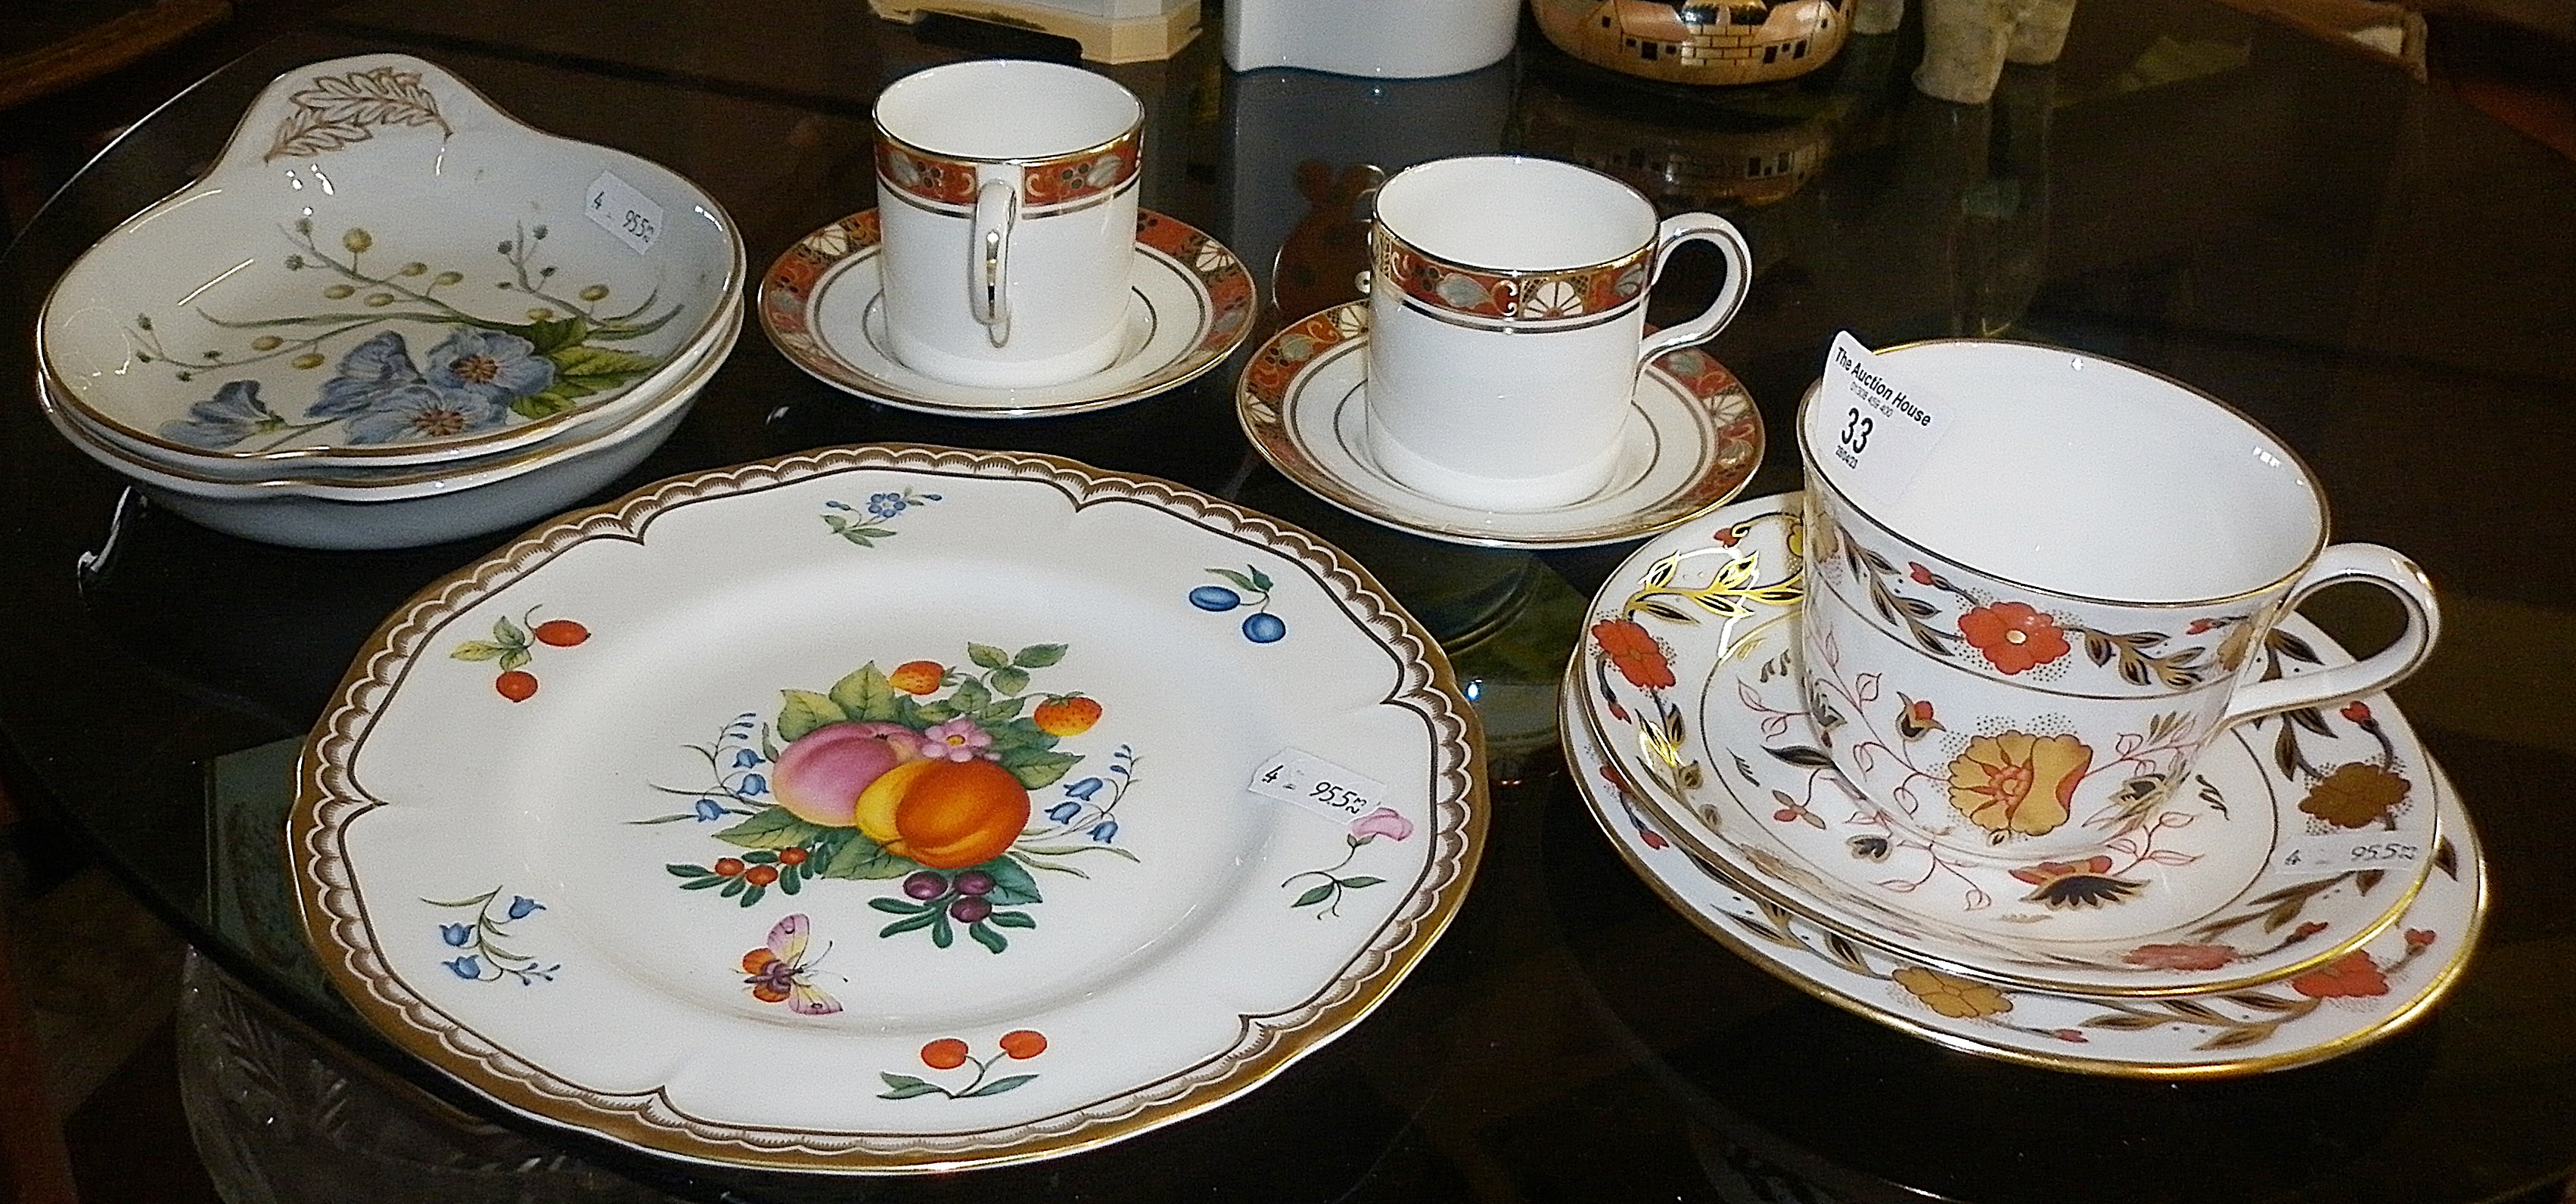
x=1318 y=785
x=2343 y=852
x=1877 y=427
x=624 y=212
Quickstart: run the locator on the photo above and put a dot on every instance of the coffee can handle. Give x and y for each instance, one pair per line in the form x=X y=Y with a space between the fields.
x=1717 y=232
x=2369 y=564
x=988 y=281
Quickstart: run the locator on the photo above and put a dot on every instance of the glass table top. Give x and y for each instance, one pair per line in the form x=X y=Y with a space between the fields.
x=2367 y=266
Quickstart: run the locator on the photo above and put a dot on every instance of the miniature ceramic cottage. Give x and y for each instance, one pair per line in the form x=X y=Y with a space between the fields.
x=1698 y=41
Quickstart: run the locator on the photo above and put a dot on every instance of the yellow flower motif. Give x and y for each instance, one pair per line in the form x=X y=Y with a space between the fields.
x=2017 y=782
x=1956 y=998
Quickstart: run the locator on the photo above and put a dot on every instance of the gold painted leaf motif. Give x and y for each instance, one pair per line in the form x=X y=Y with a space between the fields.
x=340 y=109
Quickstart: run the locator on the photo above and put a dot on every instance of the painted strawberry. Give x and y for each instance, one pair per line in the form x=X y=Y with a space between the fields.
x=917 y=677
x=1066 y=715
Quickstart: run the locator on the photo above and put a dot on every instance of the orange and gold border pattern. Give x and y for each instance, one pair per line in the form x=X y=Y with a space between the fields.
x=1456 y=289
x=1064 y=180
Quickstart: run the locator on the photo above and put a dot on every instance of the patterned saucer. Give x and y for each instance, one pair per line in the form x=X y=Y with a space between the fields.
x=1709 y=719
x=1692 y=439
x=2360 y=997
x=822 y=303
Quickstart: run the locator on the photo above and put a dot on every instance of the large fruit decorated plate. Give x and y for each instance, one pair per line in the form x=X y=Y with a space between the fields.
x=887 y=809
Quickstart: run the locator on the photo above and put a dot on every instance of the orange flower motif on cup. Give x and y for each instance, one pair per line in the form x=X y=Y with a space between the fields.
x=2352 y=976
x=1639 y=657
x=2085 y=883
x=2013 y=637
x=2180 y=957
x=2018 y=783
x=1952 y=996
x=2357 y=796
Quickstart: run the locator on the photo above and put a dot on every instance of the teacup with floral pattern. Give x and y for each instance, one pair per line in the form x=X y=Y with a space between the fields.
x=2065 y=601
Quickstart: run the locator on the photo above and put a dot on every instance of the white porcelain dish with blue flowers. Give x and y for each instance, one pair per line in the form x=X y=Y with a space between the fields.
x=384 y=269
x=408 y=506
x=887 y=809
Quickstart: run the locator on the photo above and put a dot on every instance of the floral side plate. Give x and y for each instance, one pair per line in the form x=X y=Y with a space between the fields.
x=1692 y=439
x=384 y=268
x=2361 y=996
x=887 y=809
x=823 y=304
x=1690 y=672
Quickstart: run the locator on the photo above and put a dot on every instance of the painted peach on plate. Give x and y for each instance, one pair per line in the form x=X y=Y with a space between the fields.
x=822 y=775
x=920 y=777
x=959 y=813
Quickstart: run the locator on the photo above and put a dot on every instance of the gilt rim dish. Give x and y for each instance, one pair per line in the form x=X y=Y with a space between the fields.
x=614 y=782
x=1692 y=439
x=822 y=305
x=2367 y=994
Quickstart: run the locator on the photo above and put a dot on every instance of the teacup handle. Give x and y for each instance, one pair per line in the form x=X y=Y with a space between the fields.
x=988 y=270
x=2374 y=565
x=1717 y=232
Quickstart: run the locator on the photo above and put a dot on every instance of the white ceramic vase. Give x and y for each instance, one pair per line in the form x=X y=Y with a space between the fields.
x=1394 y=39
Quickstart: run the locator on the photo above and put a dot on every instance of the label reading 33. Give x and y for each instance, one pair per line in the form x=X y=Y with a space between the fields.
x=1881 y=426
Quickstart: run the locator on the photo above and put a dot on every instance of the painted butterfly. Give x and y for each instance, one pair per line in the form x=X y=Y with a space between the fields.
x=776 y=974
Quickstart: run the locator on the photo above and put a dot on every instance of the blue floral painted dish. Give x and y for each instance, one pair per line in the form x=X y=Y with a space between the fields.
x=384 y=269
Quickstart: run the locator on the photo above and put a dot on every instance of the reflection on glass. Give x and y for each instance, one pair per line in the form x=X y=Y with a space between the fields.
x=1299 y=144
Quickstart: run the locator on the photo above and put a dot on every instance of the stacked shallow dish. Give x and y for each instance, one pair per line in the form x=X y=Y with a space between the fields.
x=2193 y=946
x=391 y=315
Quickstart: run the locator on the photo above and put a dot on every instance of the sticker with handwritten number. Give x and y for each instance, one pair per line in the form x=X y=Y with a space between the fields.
x=2343 y=852
x=619 y=209
x=1317 y=785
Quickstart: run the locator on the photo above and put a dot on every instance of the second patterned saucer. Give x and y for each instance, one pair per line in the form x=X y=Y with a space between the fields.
x=823 y=304
x=2361 y=996
x=1692 y=439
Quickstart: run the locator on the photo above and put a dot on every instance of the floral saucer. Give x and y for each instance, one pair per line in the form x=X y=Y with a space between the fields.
x=2359 y=997
x=823 y=304
x=887 y=809
x=1709 y=718
x=1692 y=439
